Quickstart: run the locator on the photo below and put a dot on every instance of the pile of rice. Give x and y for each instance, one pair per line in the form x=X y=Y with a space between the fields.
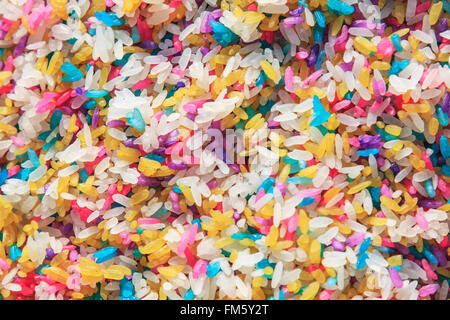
x=268 y=149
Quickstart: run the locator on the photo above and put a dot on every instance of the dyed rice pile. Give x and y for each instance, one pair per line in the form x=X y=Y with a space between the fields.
x=268 y=149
